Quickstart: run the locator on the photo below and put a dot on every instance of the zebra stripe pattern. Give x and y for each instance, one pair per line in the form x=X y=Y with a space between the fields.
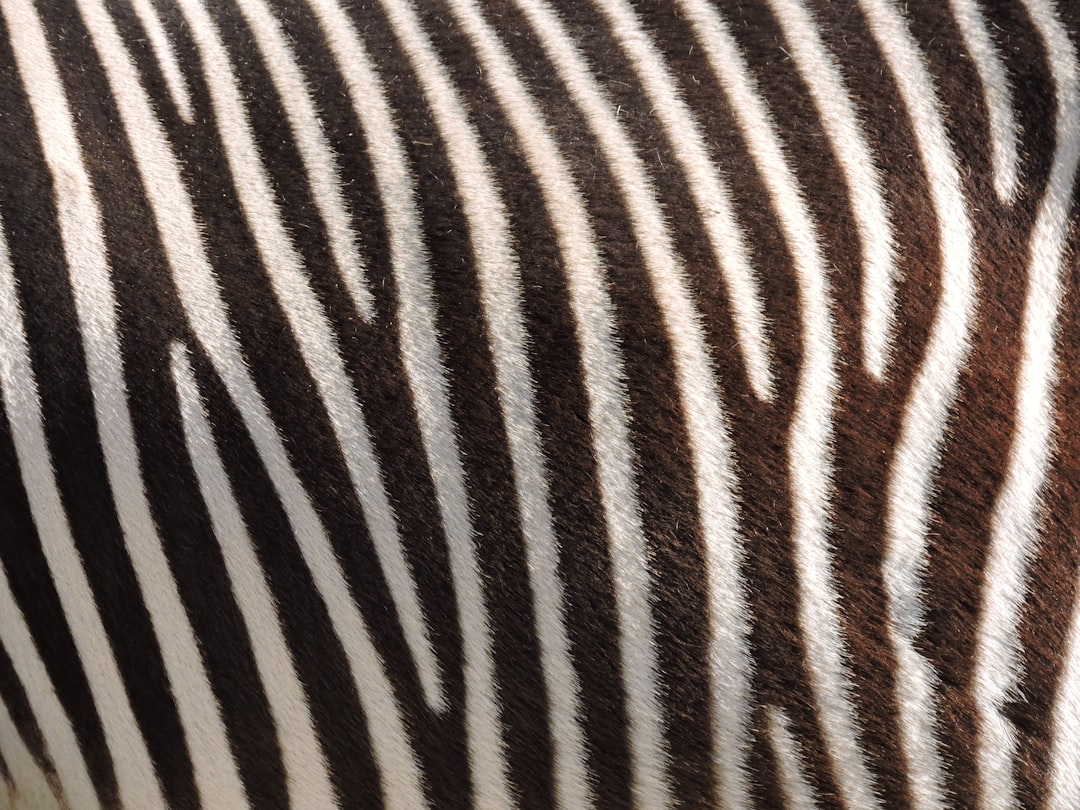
x=540 y=404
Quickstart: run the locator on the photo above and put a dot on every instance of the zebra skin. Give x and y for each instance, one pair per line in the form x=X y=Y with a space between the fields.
x=539 y=404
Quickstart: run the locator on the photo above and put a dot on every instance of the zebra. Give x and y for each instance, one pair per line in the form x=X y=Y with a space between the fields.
x=539 y=404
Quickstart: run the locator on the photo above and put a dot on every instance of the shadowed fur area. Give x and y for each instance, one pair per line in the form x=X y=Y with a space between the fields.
x=539 y=404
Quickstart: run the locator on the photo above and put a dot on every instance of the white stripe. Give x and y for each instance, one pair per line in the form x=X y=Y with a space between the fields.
x=840 y=120
x=30 y=788
x=710 y=453
x=318 y=156
x=215 y=769
x=997 y=95
x=424 y=369
x=933 y=391
x=307 y=777
x=137 y=784
x=208 y=318
x=810 y=433
x=798 y=792
x=1014 y=528
x=314 y=337
x=52 y=720
x=601 y=363
x=500 y=291
x=711 y=196
x=730 y=704
x=415 y=321
x=163 y=50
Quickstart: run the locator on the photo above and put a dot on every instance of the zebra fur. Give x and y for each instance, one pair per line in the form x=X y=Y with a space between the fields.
x=533 y=403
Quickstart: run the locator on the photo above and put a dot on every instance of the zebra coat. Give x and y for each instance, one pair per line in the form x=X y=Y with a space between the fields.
x=539 y=403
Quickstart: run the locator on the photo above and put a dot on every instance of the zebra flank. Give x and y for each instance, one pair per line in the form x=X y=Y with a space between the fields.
x=534 y=404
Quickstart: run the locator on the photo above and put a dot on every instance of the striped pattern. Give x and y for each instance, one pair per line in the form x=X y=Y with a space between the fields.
x=538 y=403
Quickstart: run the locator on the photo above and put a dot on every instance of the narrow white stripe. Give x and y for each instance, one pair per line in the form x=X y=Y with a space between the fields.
x=52 y=720
x=314 y=337
x=933 y=391
x=997 y=94
x=81 y=233
x=840 y=120
x=163 y=50
x=711 y=456
x=318 y=156
x=798 y=792
x=208 y=318
x=730 y=706
x=307 y=778
x=1015 y=524
x=711 y=196
x=137 y=784
x=30 y=788
x=810 y=433
x=602 y=368
x=424 y=369
x=500 y=291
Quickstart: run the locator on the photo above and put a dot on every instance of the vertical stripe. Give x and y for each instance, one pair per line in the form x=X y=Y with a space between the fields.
x=810 y=435
x=711 y=196
x=30 y=789
x=731 y=686
x=314 y=336
x=500 y=291
x=56 y=729
x=601 y=363
x=997 y=95
x=135 y=774
x=81 y=234
x=305 y=767
x=208 y=318
x=840 y=121
x=1015 y=523
x=165 y=54
x=922 y=431
x=709 y=446
x=318 y=157
x=602 y=369
x=798 y=793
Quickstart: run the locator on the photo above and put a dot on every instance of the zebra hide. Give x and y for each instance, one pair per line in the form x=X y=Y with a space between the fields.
x=539 y=404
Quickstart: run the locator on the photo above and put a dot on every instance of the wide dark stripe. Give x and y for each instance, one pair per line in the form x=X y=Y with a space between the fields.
x=68 y=415
x=866 y=421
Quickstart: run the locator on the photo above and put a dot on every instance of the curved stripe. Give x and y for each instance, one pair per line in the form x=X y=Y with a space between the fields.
x=415 y=321
x=711 y=195
x=318 y=156
x=602 y=368
x=997 y=95
x=314 y=338
x=798 y=792
x=810 y=433
x=710 y=450
x=163 y=50
x=30 y=789
x=207 y=316
x=922 y=429
x=500 y=291
x=216 y=774
x=135 y=777
x=731 y=686
x=55 y=726
x=1014 y=528
x=840 y=120
x=307 y=777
